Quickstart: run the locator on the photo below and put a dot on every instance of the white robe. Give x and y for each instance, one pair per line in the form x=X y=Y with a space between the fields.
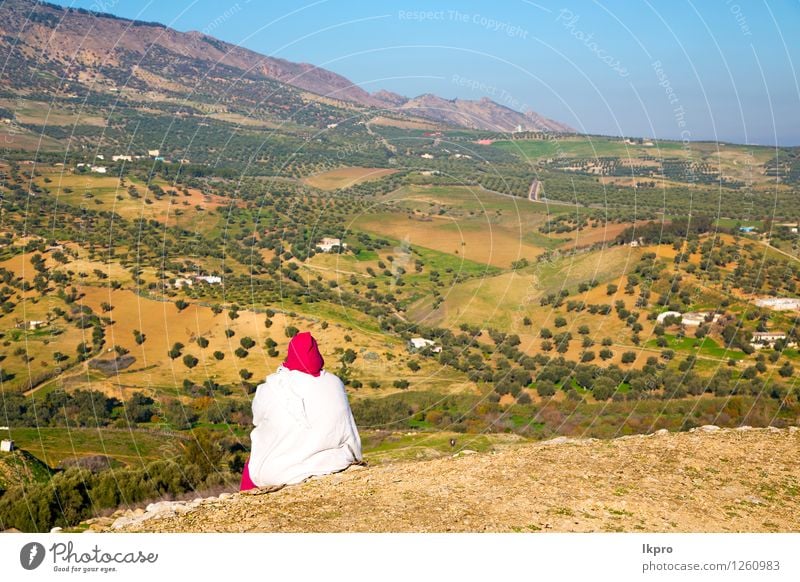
x=303 y=427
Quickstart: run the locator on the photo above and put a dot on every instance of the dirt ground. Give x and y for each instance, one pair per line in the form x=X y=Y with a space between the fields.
x=707 y=480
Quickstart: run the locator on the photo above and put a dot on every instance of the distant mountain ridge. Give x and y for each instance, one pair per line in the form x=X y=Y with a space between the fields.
x=481 y=114
x=67 y=37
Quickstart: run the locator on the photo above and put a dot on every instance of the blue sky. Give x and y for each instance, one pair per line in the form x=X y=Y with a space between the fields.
x=718 y=69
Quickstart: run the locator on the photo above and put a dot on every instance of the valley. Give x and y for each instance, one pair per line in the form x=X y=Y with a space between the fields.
x=170 y=218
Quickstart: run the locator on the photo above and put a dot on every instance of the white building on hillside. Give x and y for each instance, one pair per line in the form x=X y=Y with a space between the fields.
x=182 y=283
x=99 y=169
x=698 y=318
x=121 y=158
x=327 y=244
x=779 y=303
x=210 y=279
x=662 y=316
x=416 y=344
x=6 y=445
x=766 y=338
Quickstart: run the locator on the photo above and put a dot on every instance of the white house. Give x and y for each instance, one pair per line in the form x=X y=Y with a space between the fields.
x=121 y=158
x=99 y=169
x=766 y=338
x=778 y=303
x=183 y=283
x=662 y=316
x=153 y=153
x=6 y=445
x=697 y=318
x=35 y=324
x=210 y=279
x=427 y=156
x=420 y=343
x=327 y=244
x=332 y=125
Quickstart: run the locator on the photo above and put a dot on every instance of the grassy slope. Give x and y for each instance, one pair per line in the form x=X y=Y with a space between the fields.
x=20 y=466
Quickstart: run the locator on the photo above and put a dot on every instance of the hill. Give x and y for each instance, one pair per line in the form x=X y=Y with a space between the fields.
x=480 y=114
x=80 y=52
x=705 y=480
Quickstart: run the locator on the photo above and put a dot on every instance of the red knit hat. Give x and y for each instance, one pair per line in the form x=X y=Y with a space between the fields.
x=303 y=354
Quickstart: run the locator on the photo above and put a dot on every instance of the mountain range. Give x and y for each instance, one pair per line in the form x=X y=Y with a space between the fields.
x=46 y=44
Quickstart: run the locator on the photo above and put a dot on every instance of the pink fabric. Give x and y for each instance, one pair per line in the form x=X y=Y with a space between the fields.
x=246 y=483
x=303 y=354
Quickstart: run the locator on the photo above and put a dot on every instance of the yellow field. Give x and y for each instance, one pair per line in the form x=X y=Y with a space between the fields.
x=502 y=301
x=15 y=137
x=380 y=359
x=403 y=123
x=346 y=177
x=107 y=192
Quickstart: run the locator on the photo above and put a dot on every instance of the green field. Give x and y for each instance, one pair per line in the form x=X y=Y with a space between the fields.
x=131 y=447
x=382 y=447
x=703 y=347
x=588 y=147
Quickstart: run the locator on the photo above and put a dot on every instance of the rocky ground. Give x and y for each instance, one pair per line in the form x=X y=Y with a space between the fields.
x=706 y=480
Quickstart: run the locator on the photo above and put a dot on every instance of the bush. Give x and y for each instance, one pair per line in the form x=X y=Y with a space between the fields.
x=603 y=388
x=545 y=388
x=175 y=352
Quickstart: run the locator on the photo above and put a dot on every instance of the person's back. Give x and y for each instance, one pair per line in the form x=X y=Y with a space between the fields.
x=303 y=422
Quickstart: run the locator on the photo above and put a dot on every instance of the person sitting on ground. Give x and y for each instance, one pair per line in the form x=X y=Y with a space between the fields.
x=303 y=422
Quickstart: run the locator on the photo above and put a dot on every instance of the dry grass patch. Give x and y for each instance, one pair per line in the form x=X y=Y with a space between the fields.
x=346 y=177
